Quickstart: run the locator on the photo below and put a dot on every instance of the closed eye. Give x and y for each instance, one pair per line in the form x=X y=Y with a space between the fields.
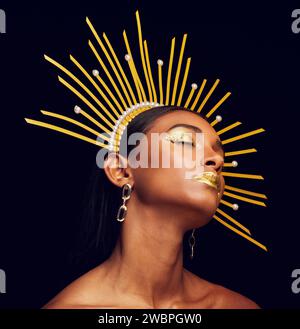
x=185 y=142
x=181 y=138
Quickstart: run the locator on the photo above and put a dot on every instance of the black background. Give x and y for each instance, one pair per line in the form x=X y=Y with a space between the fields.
x=254 y=52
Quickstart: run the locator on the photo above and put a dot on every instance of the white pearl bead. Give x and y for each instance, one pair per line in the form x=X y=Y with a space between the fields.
x=218 y=118
x=77 y=109
x=95 y=73
x=234 y=163
x=127 y=57
x=235 y=206
x=194 y=86
x=160 y=62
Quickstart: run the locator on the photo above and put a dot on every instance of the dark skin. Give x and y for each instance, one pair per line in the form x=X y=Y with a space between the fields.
x=146 y=269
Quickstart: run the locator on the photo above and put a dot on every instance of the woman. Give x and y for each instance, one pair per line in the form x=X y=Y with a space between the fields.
x=143 y=255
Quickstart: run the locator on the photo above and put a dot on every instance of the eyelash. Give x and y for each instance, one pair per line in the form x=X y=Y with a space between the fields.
x=176 y=139
x=185 y=142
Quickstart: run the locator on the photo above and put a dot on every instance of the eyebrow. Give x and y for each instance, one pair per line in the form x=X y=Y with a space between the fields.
x=187 y=126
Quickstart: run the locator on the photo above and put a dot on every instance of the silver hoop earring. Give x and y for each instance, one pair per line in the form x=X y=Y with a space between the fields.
x=126 y=192
x=192 y=242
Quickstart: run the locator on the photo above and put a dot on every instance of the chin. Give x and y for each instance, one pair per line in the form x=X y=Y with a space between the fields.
x=205 y=219
x=203 y=210
x=200 y=206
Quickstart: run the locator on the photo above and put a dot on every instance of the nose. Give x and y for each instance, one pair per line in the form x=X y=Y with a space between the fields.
x=214 y=161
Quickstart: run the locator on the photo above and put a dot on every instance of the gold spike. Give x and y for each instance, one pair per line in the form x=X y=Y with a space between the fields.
x=94 y=84
x=238 y=197
x=228 y=164
x=105 y=86
x=65 y=131
x=246 y=151
x=170 y=71
x=129 y=101
x=189 y=97
x=140 y=86
x=235 y=189
x=233 y=221
x=108 y=74
x=217 y=120
x=91 y=106
x=226 y=203
x=90 y=118
x=120 y=67
x=161 y=94
x=142 y=54
x=135 y=79
x=72 y=76
x=178 y=69
x=224 y=130
x=240 y=233
x=75 y=122
x=199 y=94
x=186 y=72
x=220 y=102
x=213 y=124
x=150 y=71
x=208 y=95
x=250 y=133
x=238 y=175
x=109 y=60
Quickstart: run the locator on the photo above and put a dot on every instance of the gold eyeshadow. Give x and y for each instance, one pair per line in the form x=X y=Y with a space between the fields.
x=180 y=135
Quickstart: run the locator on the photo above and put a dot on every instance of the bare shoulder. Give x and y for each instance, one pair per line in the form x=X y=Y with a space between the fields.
x=216 y=296
x=226 y=298
x=81 y=293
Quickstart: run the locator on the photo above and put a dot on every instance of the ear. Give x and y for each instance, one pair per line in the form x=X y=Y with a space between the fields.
x=117 y=169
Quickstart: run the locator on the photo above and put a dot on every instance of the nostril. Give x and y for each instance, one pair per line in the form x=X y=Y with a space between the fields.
x=217 y=166
x=210 y=163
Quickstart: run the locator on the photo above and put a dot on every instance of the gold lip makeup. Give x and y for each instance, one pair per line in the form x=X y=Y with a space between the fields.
x=208 y=178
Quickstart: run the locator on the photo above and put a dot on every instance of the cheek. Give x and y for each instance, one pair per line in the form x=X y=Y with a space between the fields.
x=160 y=185
x=170 y=186
x=163 y=187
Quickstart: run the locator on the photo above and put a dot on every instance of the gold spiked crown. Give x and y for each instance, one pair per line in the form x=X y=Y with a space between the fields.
x=121 y=100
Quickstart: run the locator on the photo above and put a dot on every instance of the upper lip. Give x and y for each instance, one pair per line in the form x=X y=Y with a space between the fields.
x=210 y=178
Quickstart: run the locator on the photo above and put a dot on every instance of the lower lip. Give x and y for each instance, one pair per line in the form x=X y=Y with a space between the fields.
x=206 y=182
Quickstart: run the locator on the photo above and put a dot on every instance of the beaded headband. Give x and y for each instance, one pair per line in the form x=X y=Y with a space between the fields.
x=120 y=101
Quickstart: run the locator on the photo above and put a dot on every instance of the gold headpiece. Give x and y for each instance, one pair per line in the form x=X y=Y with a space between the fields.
x=119 y=104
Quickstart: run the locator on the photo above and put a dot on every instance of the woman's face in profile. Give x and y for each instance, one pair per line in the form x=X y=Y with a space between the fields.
x=169 y=188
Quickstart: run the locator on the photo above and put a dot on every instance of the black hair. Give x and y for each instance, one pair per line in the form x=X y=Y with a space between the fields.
x=100 y=229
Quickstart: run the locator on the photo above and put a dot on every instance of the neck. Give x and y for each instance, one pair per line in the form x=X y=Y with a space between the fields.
x=148 y=261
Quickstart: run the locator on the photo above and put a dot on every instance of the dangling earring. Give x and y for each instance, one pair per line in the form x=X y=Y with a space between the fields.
x=126 y=192
x=192 y=242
